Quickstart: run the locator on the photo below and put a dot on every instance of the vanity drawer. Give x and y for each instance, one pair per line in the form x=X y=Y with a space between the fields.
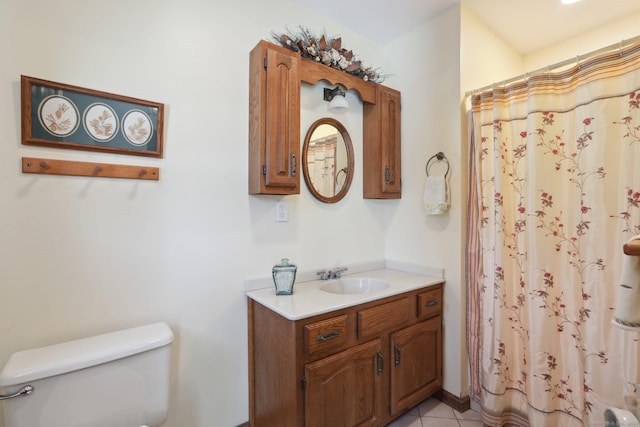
x=375 y=320
x=326 y=335
x=430 y=303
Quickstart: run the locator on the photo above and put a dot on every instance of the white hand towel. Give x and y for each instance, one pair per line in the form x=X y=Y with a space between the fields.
x=627 y=314
x=436 y=195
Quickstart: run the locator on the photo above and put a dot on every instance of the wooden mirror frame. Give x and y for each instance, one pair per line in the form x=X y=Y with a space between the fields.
x=350 y=161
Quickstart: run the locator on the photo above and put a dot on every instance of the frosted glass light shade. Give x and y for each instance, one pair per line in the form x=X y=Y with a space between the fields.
x=338 y=104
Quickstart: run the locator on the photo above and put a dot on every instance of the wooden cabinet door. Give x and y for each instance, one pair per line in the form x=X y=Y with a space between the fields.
x=416 y=359
x=274 y=120
x=282 y=120
x=345 y=390
x=390 y=144
x=381 y=146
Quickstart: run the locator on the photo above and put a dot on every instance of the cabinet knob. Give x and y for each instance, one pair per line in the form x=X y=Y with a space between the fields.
x=432 y=303
x=396 y=355
x=387 y=174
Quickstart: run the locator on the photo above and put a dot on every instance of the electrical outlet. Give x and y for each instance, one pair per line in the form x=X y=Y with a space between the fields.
x=281 y=212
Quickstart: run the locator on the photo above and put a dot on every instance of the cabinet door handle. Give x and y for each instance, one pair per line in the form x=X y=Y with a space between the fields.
x=387 y=174
x=379 y=363
x=432 y=303
x=294 y=165
x=328 y=336
x=396 y=355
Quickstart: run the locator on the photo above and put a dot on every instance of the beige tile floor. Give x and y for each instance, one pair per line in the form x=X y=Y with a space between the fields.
x=433 y=413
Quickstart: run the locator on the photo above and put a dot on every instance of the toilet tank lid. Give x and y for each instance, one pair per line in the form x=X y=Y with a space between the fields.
x=43 y=362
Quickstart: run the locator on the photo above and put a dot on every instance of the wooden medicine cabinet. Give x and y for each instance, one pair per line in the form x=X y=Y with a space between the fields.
x=275 y=75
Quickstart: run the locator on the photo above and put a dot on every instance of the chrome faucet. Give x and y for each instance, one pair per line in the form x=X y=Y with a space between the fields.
x=331 y=274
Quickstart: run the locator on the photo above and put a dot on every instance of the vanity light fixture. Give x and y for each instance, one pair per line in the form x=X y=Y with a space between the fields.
x=337 y=101
x=569 y=1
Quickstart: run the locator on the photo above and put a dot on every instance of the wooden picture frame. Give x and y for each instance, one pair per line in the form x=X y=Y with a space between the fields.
x=64 y=116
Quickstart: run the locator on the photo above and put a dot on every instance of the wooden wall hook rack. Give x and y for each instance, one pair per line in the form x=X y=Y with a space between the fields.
x=102 y=170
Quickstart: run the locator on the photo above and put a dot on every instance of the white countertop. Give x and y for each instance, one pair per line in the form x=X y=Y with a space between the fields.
x=309 y=300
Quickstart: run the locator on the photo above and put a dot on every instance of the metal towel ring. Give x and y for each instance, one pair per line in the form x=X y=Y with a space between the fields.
x=439 y=156
x=344 y=170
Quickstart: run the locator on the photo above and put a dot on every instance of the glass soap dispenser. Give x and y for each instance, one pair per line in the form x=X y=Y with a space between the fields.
x=284 y=276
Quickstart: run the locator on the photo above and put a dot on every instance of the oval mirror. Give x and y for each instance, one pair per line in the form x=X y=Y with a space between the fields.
x=327 y=160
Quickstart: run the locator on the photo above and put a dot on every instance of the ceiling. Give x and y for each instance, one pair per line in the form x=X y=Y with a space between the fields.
x=527 y=25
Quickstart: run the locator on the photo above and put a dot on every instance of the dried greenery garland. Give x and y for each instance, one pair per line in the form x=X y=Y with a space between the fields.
x=328 y=51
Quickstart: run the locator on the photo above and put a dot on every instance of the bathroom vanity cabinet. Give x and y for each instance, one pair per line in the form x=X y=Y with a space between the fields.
x=358 y=366
x=275 y=76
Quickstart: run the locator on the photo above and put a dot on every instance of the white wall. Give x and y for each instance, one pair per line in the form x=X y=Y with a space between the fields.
x=484 y=57
x=81 y=256
x=487 y=59
x=426 y=64
x=610 y=34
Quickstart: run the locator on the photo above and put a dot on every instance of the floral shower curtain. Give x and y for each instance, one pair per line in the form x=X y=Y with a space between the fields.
x=554 y=194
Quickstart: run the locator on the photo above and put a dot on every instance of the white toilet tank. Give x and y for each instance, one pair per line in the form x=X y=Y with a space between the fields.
x=119 y=379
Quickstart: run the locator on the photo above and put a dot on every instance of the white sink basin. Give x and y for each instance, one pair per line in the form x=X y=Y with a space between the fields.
x=354 y=285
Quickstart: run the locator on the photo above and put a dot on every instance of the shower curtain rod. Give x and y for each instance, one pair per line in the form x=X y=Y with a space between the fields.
x=620 y=46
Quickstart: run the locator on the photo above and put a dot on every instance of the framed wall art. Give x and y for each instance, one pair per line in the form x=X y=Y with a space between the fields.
x=65 y=116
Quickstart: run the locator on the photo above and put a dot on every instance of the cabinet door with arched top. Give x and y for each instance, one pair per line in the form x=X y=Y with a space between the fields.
x=416 y=370
x=274 y=120
x=345 y=389
x=382 y=155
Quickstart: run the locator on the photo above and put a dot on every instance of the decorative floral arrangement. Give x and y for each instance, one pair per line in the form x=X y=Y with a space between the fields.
x=328 y=51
